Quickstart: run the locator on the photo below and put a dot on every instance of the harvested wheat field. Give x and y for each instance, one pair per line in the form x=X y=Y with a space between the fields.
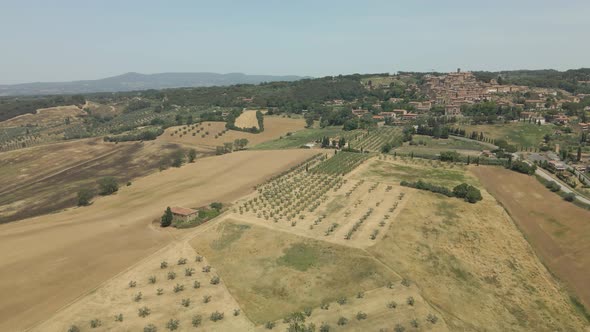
x=67 y=254
x=207 y=136
x=558 y=230
x=247 y=119
x=45 y=117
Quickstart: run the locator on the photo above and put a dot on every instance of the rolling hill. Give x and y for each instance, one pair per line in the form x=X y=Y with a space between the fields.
x=137 y=81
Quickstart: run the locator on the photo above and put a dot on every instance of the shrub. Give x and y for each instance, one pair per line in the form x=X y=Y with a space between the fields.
x=405 y=282
x=185 y=302
x=361 y=315
x=178 y=288
x=189 y=272
x=138 y=297
x=95 y=323
x=473 y=195
x=107 y=186
x=216 y=316
x=414 y=323
x=198 y=258
x=325 y=306
x=206 y=268
x=206 y=298
x=360 y=295
x=432 y=318
x=73 y=328
x=144 y=312
x=307 y=311
x=163 y=264
x=159 y=291
x=325 y=327
x=150 y=328
x=152 y=279
x=119 y=318
x=342 y=321
x=182 y=261
x=192 y=154
x=196 y=284
x=553 y=186
x=85 y=195
x=392 y=305
x=216 y=206
x=171 y=275
x=410 y=301
x=342 y=300
x=215 y=280
x=197 y=320
x=570 y=197
x=523 y=167
x=132 y=284
x=236 y=312
x=399 y=328
x=172 y=324
x=166 y=219
x=269 y=325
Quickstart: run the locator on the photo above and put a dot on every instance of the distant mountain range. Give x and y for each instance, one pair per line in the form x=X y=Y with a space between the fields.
x=137 y=81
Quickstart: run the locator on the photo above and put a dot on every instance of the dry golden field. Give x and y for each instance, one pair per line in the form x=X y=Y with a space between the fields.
x=558 y=230
x=247 y=119
x=46 y=117
x=64 y=255
x=465 y=267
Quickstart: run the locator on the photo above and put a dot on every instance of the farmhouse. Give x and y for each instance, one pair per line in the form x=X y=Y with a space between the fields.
x=184 y=214
x=360 y=112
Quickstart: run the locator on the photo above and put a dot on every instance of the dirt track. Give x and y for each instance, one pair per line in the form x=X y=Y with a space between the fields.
x=558 y=230
x=62 y=256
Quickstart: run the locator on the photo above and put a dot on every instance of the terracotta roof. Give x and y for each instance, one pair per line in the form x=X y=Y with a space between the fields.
x=182 y=211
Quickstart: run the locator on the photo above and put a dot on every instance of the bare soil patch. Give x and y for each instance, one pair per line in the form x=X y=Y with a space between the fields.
x=45 y=179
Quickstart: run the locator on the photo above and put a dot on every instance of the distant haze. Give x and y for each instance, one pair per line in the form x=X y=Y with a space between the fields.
x=68 y=40
x=136 y=81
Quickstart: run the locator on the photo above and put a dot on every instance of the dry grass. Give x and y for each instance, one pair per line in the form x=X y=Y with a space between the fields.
x=558 y=230
x=247 y=119
x=46 y=117
x=49 y=269
x=491 y=276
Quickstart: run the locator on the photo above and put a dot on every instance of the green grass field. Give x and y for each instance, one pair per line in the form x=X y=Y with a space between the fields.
x=518 y=133
x=418 y=170
x=429 y=145
x=299 y=138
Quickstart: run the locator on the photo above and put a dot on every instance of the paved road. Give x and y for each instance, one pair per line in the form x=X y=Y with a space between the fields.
x=542 y=173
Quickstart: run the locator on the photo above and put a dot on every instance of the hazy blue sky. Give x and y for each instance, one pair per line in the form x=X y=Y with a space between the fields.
x=63 y=40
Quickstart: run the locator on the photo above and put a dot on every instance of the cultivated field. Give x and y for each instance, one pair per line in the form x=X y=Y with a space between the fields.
x=208 y=135
x=247 y=120
x=334 y=237
x=46 y=117
x=558 y=230
x=61 y=256
x=44 y=179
